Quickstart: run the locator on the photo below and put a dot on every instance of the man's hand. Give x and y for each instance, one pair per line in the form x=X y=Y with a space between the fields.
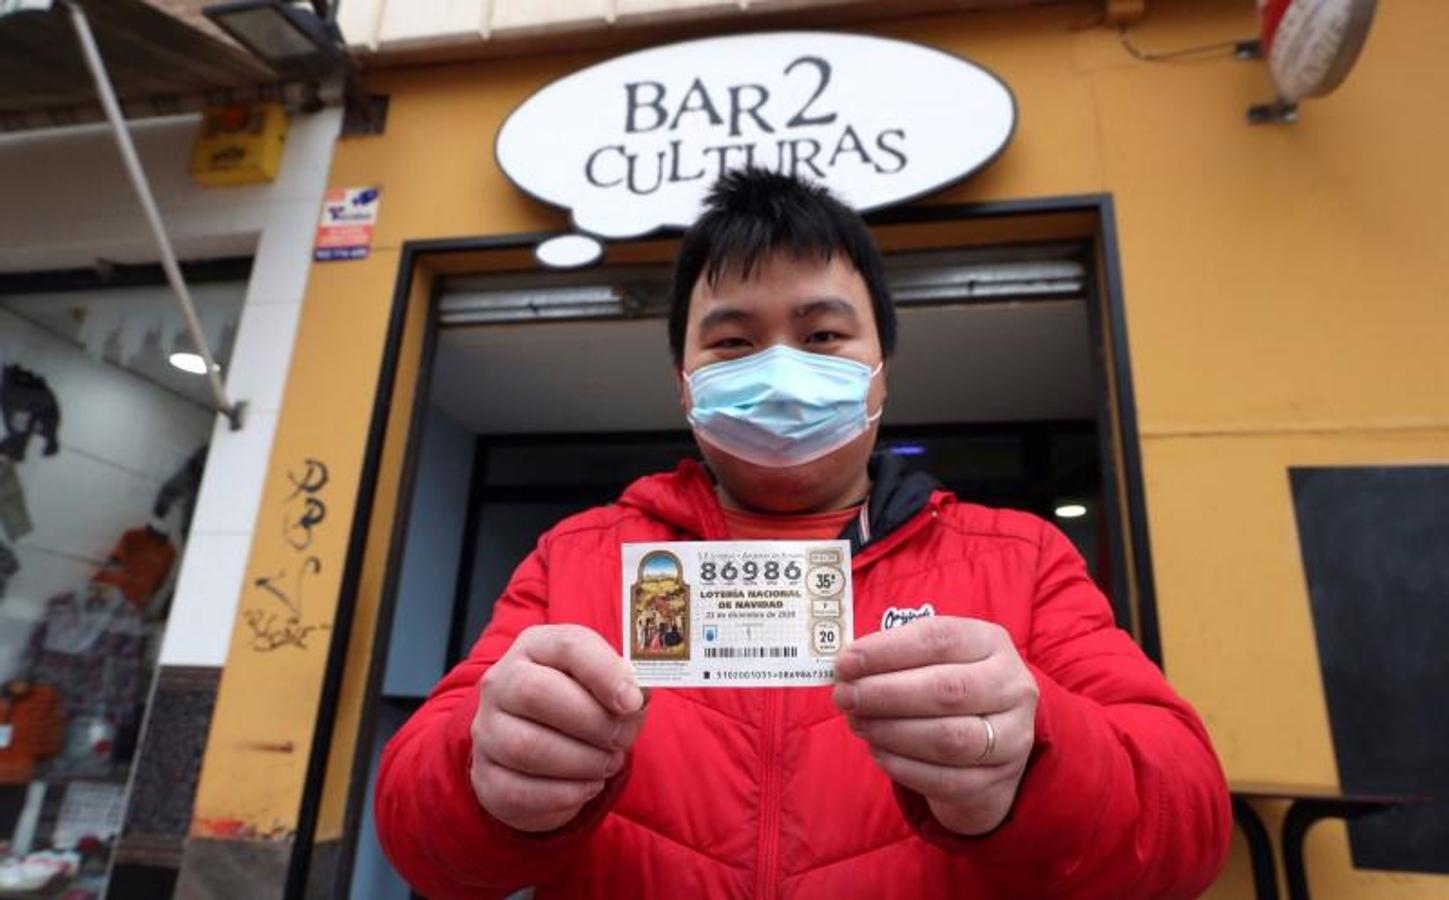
x=921 y=695
x=555 y=716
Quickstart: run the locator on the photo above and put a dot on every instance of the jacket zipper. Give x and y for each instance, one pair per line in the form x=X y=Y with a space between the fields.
x=768 y=855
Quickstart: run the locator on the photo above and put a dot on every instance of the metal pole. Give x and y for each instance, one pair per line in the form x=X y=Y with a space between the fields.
x=92 y=53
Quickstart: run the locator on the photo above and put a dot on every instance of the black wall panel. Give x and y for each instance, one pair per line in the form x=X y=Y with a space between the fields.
x=1375 y=544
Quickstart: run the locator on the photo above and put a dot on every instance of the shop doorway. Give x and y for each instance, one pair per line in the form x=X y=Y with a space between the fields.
x=562 y=383
x=546 y=393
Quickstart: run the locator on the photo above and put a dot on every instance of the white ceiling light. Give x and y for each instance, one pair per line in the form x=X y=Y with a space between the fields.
x=992 y=281
x=190 y=362
x=569 y=251
x=583 y=301
x=1042 y=272
x=1071 y=511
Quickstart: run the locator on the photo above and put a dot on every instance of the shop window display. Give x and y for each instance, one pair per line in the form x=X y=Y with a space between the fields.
x=101 y=455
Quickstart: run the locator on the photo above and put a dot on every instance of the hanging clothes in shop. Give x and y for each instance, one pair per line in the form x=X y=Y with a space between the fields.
x=32 y=729
x=139 y=564
x=90 y=646
x=29 y=408
x=182 y=487
x=9 y=565
x=14 y=515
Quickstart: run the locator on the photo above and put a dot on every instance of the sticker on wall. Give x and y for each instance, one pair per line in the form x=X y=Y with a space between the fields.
x=348 y=217
x=876 y=120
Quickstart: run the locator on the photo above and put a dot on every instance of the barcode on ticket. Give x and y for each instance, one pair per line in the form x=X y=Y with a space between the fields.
x=751 y=652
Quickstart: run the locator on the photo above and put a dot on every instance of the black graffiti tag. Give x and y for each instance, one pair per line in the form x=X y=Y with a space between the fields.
x=304 y=510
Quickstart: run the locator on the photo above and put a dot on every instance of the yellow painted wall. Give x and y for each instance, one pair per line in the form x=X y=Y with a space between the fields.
x=260 y=737
x=1287 y=296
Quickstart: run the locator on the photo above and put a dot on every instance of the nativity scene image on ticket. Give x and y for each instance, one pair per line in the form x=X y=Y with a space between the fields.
x=659 y=609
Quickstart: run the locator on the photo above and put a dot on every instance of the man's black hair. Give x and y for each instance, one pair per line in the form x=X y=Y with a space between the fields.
x=752 y=213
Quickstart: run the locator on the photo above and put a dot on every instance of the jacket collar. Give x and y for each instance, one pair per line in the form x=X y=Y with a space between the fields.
x=685 y=499
x=896 y=497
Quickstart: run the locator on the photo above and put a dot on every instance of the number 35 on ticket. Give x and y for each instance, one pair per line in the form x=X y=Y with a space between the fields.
x=736 y=613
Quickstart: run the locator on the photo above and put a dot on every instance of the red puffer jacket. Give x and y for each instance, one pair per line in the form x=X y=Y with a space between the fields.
x=766 y=793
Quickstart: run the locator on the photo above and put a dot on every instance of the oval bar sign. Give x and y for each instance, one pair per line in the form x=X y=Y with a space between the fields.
x=632 y=144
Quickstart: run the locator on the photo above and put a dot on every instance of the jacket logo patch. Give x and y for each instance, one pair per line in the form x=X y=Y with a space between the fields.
x=895 y=618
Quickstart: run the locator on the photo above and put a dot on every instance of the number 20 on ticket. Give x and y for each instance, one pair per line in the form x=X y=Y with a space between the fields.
x=736 y=613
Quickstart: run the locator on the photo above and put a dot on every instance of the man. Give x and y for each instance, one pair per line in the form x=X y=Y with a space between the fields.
x=1008 y=741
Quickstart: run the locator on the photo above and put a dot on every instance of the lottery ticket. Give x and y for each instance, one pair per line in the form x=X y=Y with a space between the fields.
x=736 y=613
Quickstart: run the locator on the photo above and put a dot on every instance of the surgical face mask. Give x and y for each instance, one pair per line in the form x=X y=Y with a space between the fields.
x=781 y=407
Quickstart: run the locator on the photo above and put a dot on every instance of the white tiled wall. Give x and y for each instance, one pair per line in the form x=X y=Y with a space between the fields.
x=211 y=576
x=65 y=202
